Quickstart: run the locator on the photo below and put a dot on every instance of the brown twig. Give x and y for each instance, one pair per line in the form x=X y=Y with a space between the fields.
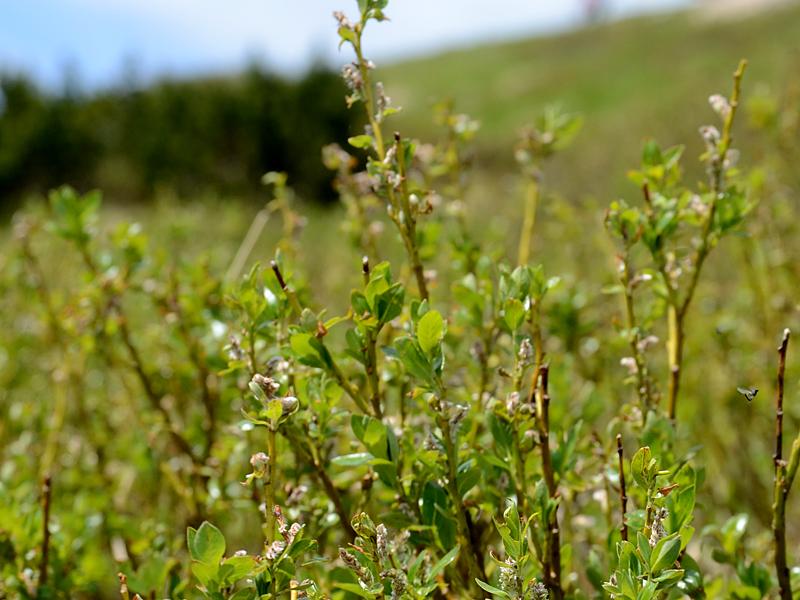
x=779 y=397
x=371 y=354
x=290 y=293
x=623 y=496
x=123 y=586
x=782 y=482
x=365 y=269
x=471 y=556
x=539 y=355
x=552 y=566
x=46 y=497
x=544 y=426
x=372 y=375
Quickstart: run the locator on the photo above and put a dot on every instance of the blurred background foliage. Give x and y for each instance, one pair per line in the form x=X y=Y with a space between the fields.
x=189 y=137
x=181 y=136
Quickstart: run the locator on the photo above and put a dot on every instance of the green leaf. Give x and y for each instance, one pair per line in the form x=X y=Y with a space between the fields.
x=415 y=361
x=205 y=573
x=360 y=141
x=644 y=546
x=207 y=544
x=245 y=593
x=412 y=570
x=274 y=409
x=669 y=576
x=300 y=547
x=651 y=154
x=686 y=532
x=347 y=35
x=377 y=285
x=626 y=550
x=191 y=533
x=491 y=589
x=430 y=330
x=235 y=568
x=639 y=464
x=692 y=577
x=501 y=431
x=564 y=455
x=467 y=479
x=733 y=531
x=513 y=313
x=150 y=575
x=512 y=545
x=352 y=460
x=442 y=563
x=301 y=344
x=665 y=553
x=371 y=432
x=436 y=511
x=389 y=303
x=681 y=502
x=359 y=303
x=511 y=516
x=648 y=591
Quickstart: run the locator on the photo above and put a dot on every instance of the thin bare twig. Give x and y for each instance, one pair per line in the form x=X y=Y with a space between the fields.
x=782 y=486
x=46 y=497
x=290 y=293
x=370 y=351
x=623 y=496
x=552 y=566
x=779 y=397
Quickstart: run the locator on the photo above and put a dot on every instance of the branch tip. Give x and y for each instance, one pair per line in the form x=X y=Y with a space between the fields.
x=277 y=270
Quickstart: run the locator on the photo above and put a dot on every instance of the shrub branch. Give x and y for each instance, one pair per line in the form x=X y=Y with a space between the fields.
x=784 y=478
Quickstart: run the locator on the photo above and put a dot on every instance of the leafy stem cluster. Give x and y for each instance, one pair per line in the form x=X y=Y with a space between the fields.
x=673 y=218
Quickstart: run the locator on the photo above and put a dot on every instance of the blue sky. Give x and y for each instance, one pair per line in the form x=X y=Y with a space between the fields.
x=95 y=39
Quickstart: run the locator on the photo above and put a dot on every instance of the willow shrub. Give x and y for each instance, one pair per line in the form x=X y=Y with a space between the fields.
x=425 y=442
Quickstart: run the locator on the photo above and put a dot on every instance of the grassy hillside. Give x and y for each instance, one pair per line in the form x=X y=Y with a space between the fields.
x=643 y=77
x=630 y=80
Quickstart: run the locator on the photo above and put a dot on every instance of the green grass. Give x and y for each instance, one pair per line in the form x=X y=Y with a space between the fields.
x=638 y=78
